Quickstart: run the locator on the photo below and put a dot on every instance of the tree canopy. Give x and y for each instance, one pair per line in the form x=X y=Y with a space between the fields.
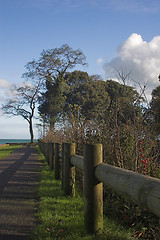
x=51 y=68
x=88 y=92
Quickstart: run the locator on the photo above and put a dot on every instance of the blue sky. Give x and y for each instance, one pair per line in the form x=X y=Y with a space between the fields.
x=111 y=33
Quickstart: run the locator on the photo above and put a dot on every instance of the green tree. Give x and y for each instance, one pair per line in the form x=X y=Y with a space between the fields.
x=51 y=68
x=87 y=92
x=123 y=98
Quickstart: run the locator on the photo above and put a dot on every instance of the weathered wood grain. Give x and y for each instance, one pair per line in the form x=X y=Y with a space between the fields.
x=139 y=188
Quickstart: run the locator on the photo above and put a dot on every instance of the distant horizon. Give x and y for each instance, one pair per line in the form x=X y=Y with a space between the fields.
x=17 y=138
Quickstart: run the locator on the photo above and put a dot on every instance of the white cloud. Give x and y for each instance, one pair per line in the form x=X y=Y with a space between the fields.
x=140 y=57
x=99 y=60
x=4 y=88
x=4 y=83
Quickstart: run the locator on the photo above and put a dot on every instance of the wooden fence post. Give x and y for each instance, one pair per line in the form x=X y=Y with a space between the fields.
x=62 y=165
x=68 y=169
x=51 y=155
x=57 y=162
x=42 y=147
x=93 y=189
x=46 y=151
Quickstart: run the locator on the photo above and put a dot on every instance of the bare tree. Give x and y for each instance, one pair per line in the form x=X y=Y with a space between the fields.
x=23 y=103
x=122 y=74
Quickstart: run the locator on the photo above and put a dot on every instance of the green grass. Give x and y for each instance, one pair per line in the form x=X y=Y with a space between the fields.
x=61 y=217
x=5 y=151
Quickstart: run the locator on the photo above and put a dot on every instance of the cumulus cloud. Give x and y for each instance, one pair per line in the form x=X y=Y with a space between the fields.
x=139 y=57
x=4 y=88
x=4 y=83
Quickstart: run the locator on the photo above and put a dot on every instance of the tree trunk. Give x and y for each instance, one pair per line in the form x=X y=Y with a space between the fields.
x=31 y=129
x=51 y=125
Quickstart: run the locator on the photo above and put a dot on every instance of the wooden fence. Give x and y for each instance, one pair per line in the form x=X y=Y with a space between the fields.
x=141 y=189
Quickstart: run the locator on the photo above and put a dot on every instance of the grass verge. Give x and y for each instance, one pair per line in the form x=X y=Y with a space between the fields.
x=61 y=217
x=5 y=151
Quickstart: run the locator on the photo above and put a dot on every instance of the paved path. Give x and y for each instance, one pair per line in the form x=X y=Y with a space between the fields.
x=19 y=178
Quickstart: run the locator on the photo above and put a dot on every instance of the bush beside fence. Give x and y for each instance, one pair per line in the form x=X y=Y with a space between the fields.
x=141 y=189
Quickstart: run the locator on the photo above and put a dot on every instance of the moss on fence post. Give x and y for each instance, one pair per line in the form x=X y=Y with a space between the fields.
x=68 y=169
x=57 y=162
x=93 y=189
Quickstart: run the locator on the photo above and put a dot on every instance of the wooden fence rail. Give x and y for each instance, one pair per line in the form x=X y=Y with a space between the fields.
x=141 y=189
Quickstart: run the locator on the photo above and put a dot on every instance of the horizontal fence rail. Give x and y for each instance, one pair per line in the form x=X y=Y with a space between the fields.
x=138 y=188
x=77 y=161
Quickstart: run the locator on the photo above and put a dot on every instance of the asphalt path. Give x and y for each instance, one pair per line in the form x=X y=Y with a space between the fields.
x=19 y=179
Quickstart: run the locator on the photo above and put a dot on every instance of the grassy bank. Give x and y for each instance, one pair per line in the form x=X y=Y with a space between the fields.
x=5 y=151
x=61 y=217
